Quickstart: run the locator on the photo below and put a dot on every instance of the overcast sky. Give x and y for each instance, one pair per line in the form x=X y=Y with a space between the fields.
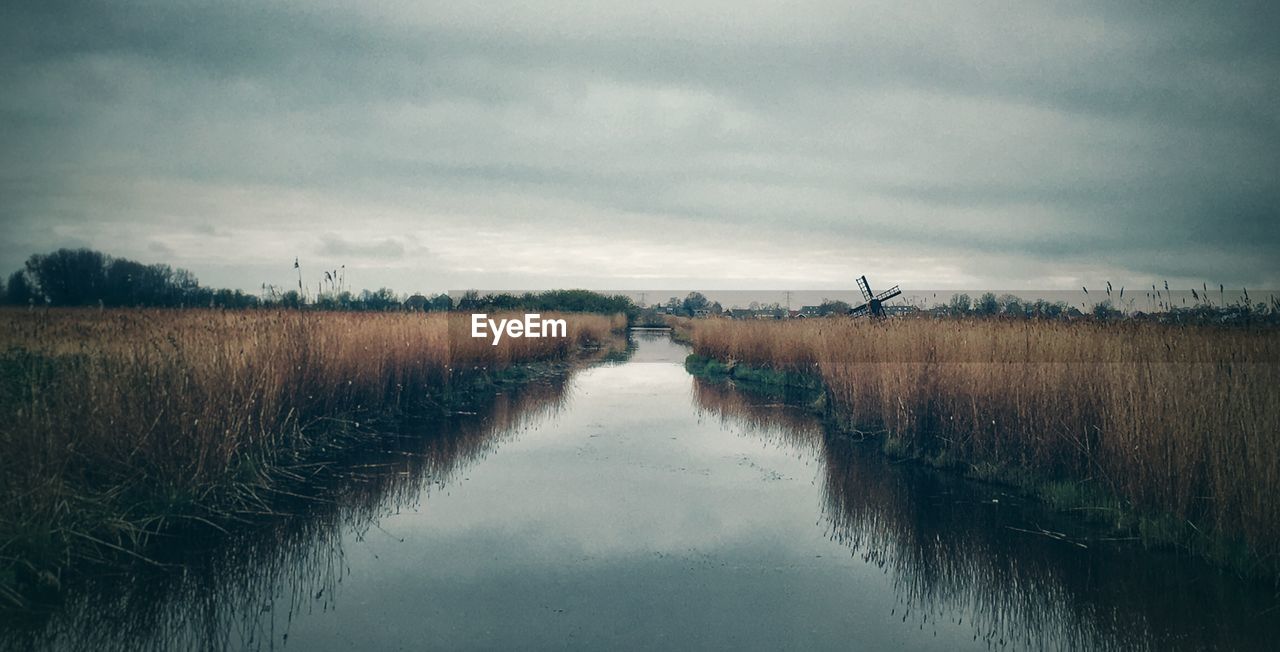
x=629 y=144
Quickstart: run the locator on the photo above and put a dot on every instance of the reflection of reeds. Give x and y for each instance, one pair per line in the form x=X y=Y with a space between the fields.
x=118 y=422
x=240 y=590
x=773 y=416
x=1179 y=421
x=953 y=558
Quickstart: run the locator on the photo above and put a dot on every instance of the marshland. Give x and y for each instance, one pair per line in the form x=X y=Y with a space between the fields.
x=629 y=500
x=213 y=477
x=1170 y=433
x=122 y=424
x=261 y=422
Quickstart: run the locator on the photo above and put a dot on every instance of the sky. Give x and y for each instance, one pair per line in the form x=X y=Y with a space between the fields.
x=621 y=145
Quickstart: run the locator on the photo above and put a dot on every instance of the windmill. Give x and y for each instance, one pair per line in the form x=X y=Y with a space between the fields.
x=874 y=303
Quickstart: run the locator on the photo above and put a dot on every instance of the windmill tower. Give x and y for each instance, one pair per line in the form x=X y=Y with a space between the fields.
x=873 y=304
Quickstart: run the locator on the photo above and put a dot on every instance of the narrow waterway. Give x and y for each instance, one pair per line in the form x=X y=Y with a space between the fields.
x=631 y=505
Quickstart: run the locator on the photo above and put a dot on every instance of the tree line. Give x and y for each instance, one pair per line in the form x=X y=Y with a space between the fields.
x=557 y=300
x=1239 y=312
x=85 y=277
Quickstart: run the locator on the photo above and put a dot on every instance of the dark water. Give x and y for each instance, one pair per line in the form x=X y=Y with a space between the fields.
x=632 y=506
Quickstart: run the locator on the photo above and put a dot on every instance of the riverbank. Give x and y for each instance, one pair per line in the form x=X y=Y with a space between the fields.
x=560 y=512
x=1165 y=433
x=122 y=424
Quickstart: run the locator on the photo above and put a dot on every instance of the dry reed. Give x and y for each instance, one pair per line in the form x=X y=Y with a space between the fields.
x=1180 y=422
x=117 y=421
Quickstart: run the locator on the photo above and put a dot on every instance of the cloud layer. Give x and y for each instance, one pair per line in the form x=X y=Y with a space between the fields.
x=613 y=145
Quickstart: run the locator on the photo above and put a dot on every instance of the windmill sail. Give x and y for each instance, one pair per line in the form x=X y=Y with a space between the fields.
x=866 y=289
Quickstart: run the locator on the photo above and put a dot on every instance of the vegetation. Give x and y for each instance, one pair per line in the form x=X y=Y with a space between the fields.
x=1180 y=424
x=226 y=582
x=557 y=300
x=84 y=277
x=1163 y=308
x=943 y=539
x=119 y=423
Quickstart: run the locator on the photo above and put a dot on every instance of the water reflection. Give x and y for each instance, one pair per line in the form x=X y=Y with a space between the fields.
x=963 y=552
x=241 y=589
x=619 y=513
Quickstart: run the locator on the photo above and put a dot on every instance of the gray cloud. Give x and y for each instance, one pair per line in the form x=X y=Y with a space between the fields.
x=159 y=248
x=1004 y=144
x=334 y=245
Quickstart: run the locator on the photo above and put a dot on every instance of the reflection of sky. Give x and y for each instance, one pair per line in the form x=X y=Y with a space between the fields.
x=661 y=527
x=652 y=511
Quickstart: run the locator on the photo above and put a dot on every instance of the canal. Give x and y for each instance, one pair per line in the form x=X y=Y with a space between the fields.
x=631 y=505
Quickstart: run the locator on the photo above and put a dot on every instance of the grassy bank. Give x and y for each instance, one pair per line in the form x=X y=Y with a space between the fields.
x=1174 y=431
x=120 y=423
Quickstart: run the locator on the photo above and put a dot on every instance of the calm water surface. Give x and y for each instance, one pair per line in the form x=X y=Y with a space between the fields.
x=632 y=506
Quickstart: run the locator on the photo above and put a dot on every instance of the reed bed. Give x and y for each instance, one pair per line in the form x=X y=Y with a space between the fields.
x=233 y=584
x=118 y=423
x=948 y=558
x=1179 y=425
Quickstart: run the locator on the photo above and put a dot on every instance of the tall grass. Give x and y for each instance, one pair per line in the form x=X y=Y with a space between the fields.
x=234 y=584
x=1179 y=422
x=117 y=422
x=950 y=553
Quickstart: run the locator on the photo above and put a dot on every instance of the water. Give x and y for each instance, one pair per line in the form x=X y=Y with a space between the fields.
x=632 y=506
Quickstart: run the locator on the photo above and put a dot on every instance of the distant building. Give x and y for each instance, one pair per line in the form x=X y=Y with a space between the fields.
x=416 y=302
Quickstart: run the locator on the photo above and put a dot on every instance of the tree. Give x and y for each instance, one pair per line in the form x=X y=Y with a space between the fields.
x=125 y=280
x=694 y=302
x=1012 y=306
x=1104 y=311
x=380 y=299
x=70 y=277
x=185 y=284
x=959 y=304
x=986 y=305
x=19 y=291
x=230 y=299
x=80 y=277
x=831 y=307
x=470 y=300
x=1048 y=310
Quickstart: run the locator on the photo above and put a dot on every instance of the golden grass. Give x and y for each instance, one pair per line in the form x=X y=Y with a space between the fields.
x=939 y=547
x=224 y=596
x=1178 y=421
x=114 y=419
